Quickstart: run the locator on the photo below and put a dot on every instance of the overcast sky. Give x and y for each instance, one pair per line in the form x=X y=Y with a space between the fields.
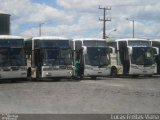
x=80 y=18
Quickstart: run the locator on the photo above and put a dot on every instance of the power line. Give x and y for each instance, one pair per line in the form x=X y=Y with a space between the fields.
x=136 y=5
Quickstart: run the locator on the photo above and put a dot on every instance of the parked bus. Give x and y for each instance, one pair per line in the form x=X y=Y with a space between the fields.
x=92 y=56
x=51 y=57
x=12 y=57
x=132 y=57
x=156 y=45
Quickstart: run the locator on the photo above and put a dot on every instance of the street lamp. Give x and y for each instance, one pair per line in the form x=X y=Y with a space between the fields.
x=40 y=28
x=111 y=32
x=133 y=24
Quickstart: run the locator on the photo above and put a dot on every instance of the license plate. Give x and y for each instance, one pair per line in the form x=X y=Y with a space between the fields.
x=144 y=71
x=99 y=72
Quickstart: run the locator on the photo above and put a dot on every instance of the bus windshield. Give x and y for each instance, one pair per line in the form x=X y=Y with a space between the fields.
x=12 y=57
x=142 y=56
x=17 y=57
x=4 y=57
x=97 y=56
x=54 y=57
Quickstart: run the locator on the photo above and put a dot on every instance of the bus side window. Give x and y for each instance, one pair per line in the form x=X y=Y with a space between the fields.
x=112 y=50
x=155 y=50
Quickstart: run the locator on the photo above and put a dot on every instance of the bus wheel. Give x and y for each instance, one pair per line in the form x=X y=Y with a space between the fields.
x=29 y=72
x=135 y=76
x=81 y=77
x=113 y=72
x=93 y=78
x=13 y=81
x=33 y=79
x=148 y=75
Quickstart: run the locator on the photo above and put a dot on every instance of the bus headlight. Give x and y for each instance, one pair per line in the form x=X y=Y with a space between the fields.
x=69 y=67
x=153 y=67
x=89 y=68
x=48 y=74
x=24 y=68
x=134 y=67
x=108 y=68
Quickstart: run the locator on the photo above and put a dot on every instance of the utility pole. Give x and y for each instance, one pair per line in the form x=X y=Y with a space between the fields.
x=132 y=20
x=40 y=28
x=133 y=28
x=104 y=19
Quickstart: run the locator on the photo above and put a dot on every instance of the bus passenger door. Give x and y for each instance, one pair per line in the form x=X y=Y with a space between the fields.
x=124 y=56
x=38 y=62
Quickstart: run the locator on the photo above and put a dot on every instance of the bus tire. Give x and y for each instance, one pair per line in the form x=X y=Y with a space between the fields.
x=149 y=75
x=33 y=79
x=93 y=77
x=13 y=81
x=113 y=72
x=29 y=72
x=81 y=77
x=135 y=76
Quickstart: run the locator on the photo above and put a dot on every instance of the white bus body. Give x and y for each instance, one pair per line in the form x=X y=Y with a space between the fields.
x=132 y=56
x=93 y=55
x=51 y=57
x=156 y=46
x=12 y=57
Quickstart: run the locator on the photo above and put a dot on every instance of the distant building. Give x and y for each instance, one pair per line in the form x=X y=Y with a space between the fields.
x=4 y=24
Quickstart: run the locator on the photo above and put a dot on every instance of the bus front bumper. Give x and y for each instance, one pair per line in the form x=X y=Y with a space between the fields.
x=57 y=73
x=97 y=72
x=13 y=74
x=140 y=70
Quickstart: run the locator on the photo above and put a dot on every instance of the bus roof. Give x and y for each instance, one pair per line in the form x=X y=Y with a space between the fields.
x=83 y=39
x=130 y=39
x=158 y=40
x=50 y=38
x=28 y=39
x=10 y=37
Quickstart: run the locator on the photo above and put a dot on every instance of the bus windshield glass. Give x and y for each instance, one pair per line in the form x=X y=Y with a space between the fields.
x=142 y=56
x=54 y=57
x=12 y=52
x=4 y=57
x=17 y=57
x=94 y=43
x=137 y=43
x=97 y=56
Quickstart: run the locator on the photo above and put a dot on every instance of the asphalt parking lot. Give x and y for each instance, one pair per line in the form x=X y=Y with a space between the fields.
x=103 y=95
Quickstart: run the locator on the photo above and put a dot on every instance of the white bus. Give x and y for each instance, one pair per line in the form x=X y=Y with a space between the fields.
x=93 y=57
x=12 y=57
x=132 y=56
x=51 y=57
x=156 y=45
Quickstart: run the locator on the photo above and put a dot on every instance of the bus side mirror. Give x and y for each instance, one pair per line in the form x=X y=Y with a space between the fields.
x=112 y=50
x=84 y=50
x=130 y=50
x=155 y=51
